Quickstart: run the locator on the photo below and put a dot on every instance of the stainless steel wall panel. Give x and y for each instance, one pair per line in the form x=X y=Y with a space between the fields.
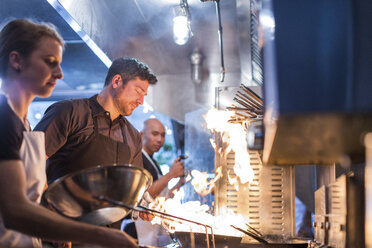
x=267 y=201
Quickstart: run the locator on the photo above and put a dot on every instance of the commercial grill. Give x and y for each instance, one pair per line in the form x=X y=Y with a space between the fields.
x=267 y=202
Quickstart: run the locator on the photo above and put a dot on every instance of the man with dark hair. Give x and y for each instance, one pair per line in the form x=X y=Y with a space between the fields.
x=83 y=133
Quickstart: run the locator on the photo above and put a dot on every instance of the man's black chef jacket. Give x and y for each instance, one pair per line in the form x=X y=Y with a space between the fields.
x=68 y=124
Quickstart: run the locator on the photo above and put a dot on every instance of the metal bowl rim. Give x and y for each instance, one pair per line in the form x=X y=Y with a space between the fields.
x=203 y=233
x=96 y=168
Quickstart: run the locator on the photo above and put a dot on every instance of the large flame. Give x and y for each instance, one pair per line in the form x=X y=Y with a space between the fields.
x=195 y=211
x=233 y=139
x=200 y=181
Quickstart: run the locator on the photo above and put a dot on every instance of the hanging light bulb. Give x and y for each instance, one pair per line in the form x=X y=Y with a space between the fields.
x=181 y=23
x=181 y=32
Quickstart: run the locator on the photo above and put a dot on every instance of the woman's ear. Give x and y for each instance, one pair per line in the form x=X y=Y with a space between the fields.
x=15 y=60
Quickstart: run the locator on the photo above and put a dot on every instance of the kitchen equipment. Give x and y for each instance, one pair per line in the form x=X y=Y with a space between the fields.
x=268 y=202
x=316 y=112
x=162 y=214
x=220 y=40
x=71 y=195
x=368 y=191
x=200 y=240
x=339 y=219
x=167 y=246
x=253 y=234
x=294 y=244
x=321 y=218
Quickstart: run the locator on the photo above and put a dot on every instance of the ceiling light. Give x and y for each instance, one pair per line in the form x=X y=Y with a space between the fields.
x=180 y=30
x=38 y=116
x=181 y=23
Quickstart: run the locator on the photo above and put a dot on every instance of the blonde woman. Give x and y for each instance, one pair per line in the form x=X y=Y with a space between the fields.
x=30 y=58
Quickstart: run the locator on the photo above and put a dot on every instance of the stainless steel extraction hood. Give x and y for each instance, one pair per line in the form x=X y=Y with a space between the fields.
x=143 y=29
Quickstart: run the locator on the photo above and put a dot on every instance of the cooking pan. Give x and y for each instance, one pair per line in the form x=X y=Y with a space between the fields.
x=71 y=195
x=200 y=240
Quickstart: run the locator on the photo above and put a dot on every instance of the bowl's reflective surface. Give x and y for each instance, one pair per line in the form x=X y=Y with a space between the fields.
x=72 y=195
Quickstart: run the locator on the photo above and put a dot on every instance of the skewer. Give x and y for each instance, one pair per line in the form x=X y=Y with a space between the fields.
x=251 y=102
x=255 y=230
x=239 y=109
x=243 y=103
x=254 y=95
x=245 y=113
x=254 y=100
x=236 y=120
x=247 y=100
x=251 y=234
x=251 y=99
x=245 y=116
x=251 y=92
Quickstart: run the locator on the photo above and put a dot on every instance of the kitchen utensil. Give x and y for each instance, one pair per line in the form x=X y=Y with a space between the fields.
x=71 y=195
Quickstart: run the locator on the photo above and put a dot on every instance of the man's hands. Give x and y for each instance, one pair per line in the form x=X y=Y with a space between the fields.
x=177 y=186
x=146 y=216
x=177 y=169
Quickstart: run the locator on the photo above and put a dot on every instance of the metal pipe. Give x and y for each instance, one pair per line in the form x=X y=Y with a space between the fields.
x=196 y=60
x=220 y=39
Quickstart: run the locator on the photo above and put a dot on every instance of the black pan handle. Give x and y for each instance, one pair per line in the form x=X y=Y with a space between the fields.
x=252 y=235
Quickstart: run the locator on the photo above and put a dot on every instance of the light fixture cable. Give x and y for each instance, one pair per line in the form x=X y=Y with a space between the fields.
x=185 y=7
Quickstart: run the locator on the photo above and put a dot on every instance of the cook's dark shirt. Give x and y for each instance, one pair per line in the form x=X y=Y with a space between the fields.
x=11 y=132
x=150 y=167
x=69 y=123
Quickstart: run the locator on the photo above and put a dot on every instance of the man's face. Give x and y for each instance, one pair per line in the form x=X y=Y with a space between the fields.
x=153 y=136
x=127 y=97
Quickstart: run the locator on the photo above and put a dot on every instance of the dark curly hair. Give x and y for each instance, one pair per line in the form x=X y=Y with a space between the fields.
x=129 y=69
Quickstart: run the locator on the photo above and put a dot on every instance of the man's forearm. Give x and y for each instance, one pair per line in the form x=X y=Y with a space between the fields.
x=159 y=185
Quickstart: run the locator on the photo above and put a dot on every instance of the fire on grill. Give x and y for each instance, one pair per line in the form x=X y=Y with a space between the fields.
x=251 y=200
x=227 y=225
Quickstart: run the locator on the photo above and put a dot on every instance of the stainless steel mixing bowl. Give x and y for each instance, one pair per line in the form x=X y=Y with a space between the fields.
x=72 y=195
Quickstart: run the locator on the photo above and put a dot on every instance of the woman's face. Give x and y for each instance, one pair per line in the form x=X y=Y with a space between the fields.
x=39 y=72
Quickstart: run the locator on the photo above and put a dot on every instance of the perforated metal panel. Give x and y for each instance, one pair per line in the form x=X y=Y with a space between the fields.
x=339 y=208
x=320 y=231
x=336 y=226
x=268 y=201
